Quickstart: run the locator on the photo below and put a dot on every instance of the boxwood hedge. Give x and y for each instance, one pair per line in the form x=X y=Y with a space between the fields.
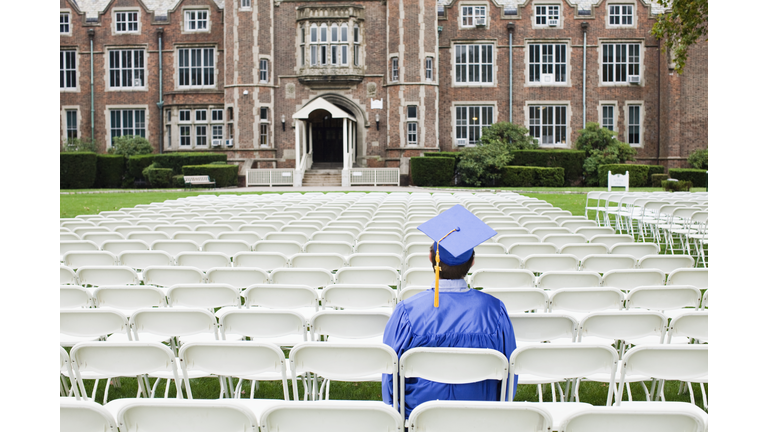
x=225 y=175
x=77 y=170
x=176 y=161
x=697 y=176
x=572 y=161
x=432 y=171
x=525 y=176
x=109 y=170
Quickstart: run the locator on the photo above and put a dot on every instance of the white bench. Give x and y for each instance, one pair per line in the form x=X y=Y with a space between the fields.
x=198 y=180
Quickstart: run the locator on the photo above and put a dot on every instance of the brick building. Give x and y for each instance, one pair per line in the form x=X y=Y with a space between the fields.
x=371 y=83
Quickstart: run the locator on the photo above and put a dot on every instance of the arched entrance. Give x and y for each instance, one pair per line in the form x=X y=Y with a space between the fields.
x=327 y=138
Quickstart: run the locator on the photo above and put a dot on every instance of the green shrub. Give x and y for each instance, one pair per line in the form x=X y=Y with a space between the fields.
x=130 y=145
x=523 y=176
x=432 y=171
x=109 y=171
x=676 y=186
x=178 y=181
x=176 y=161
x=455 y=154
x=77 y=170
x=699 y=159
x=656 y=179
x=225 y=175
x=482 y=165
x=145 y=171
x=654 y=169
x=602 y=147
x=514 y=136
x=134 y=166
x=160 y=177
x=572 y=161
x=696 y=176
x=638 y=174
x=80 y=145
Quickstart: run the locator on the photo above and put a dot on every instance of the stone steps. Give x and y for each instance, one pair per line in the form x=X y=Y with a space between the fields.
x=322 y=178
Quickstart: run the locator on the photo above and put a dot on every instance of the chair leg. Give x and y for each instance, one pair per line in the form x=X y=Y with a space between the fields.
x=540 y=392
x=704 y=396
x=95 y=386
x=690 y=389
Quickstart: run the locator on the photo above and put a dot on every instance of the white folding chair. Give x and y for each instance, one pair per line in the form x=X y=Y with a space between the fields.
x=213 y=229
x=128 y=299
x=248 y=237
x=209 y=296
x=637 y=250
x=328 y=361
x=578 y=302
x=77 y=415
x=666 y=263
x=74 y=297
x=333 y=236
x=568 y=279
x=380 y=247
x=500 y=279
x=119 y=246
x=203 y=261
x=327 y=261
x=331 y=416
x=520 y=299
x=165 y=276
x=637 y=417
x=348 y=326
x=67 y=276
x=611 y=239
x=142 y=259
x=301 y=298
x=115 y=275
x=455 y=416
x=79 y=325
x=226 y=247
x=238 y=277
x=197 y=237
x=280 y=327
x=367 y=275
x=689 y=327
x=494 y=261
x=174 y=247
x=76 y=245
x=315 y=277
x=533 y=328
x=371 y=260
x=358 y=296
x=698 y=277
x=672 y=300
x=337 y=247
x=540 y=263
x=77 y=259
x=625 y=327
x=453 y=366
x=524 y=249
x=604 y=263
x=287 y=248
x=267 y=261
x=297 y=237
x=628 y=279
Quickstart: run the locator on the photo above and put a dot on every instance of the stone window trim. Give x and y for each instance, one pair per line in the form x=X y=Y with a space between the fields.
x=494 y=64
x=540 y=20
x=621 y=15
x=123 y=11
x=189 y=13
x=265 y=127
x=66 y=54
x=264 y=75
x=607 y=41
x=493 y=104
x=329 y=43
x=568 y=116
x=65 y=22
x=148 y=131
x=177 y=56
x=190 y=120
x=64 y=124
x=107 y=69
x=627 y=120
x=600 y=116
x=394 y=69
x=246 y=5
x=429 y=68
x=470 y=11
x=568 y=66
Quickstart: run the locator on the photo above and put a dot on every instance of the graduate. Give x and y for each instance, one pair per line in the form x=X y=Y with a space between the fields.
x=450 y=314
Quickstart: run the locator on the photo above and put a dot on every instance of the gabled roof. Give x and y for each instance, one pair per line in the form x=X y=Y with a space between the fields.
x=92 y=8
x=322 y=104
x=656 y=8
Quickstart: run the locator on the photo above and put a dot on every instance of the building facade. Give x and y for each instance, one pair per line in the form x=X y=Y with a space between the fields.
x=371 y=83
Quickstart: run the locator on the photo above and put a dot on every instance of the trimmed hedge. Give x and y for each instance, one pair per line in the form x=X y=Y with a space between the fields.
x=160 y=177
x=676 y=186
x=109 y=171
x=656 y=179
x=176 y=161
x=225 y=175
x=456 y=155
x=134 y=166
x=77 y=170
x=572 y=161
x=432 y=171
x=696 y=176
x=638 y=174
x=517 y=176
x=178 y=181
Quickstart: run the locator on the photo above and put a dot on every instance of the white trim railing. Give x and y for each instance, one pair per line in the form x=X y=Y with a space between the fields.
x=269 y=177
x=374 y=176
x=306 y=163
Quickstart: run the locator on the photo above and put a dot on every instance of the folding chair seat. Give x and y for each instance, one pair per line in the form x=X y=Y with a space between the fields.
x=147 y=237
x=666 y=263
x=303 y=299
x=638 y=417
x=315 y=277
x=568 y=279
x=119 y=246
x=333 y=415
x=77 y=259
x=81 y=231
x=521 y=299
x=697 y=277
x=174 y=247
x=380 y=247
x=107 y=275
x=454 y=366
x=74 y=297
x=78 y=325
x=604 y=263
x=116 y=359
x=686 y=363
x=333 y=236
x=141 y=259
x=555 y=363
x=521 y=278
x=583 y=250
x=286 y=248
x=372 y=260
x=540 y=263
x=562 y=239
x=670 y=300
x=525 y=249
x=492 y=261
x=364 y=275
x=100 y=238
x=267 y=261
x=612 y=239
x=77 y=415
x=238 y=277
x=128 y=298
x=535 y=328
x=327 y=261
x=637 y=250
x=203 y=261
x=281 y=327
x=197 y=237
x=165 y=276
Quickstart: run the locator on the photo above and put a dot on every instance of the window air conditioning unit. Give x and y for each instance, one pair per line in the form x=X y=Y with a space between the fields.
x=230 y=142
x=461 y=142
x=548 y=78
x=634 y=79
x=137 y=82
x=553 y=22
x=480 y=21
x=216 y=143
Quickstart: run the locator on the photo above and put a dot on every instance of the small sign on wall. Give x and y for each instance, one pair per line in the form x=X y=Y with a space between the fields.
x=377 y=104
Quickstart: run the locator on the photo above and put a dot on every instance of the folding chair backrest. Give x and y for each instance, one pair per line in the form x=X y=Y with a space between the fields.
x=267 y=261
x=197 y=237
x=337 y=247
x=637 y=250
x=493 y=261
x=698 y=277
x=524 y=248
x=238 y=277
x=118 y=246
x=501 y=279
x=371 y=260
x=628 y=279
x=365 y=275
x=543 y=327
x=174 y=247
x=227 y=247
x=148 y=237
x=208 y=296
x=348 y=324
x=663 y=297
x=116 y=275
x=144 y=259
x=690 y=325
x=358 y=296
x=327 y=261
x=611 y=239
x=281 y=296
x=171 y=322
x=92 y=323
x=540 y=263
x=203 y=260
x=77 y=259
x=330 y=416
x=456 y=416
x=520 y=299
x=603 y=263
x=128 y=298
x=159 y=415
x=666 y=263
x=313 y=277
x=568 y=279
x=84 y=416
x=172 y=275
x=74 y=297
x=634 y=418
x=586 y=299
x=623 y=325
x=260 y=323
x=670 y=362
x=248 y=237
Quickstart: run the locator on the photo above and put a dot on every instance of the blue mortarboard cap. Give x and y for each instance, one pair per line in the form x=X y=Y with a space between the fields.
x=457 y=247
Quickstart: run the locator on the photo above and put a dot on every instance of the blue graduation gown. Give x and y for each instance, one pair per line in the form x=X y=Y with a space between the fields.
x=465 y=319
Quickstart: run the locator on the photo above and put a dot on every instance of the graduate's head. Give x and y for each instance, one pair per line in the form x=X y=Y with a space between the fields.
x=461 y=265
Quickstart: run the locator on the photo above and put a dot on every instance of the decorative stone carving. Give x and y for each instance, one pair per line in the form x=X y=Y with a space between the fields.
x=290 y=91
x=371 y=89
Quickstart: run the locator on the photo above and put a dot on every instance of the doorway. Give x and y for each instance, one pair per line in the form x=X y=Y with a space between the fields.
x=327 y=137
